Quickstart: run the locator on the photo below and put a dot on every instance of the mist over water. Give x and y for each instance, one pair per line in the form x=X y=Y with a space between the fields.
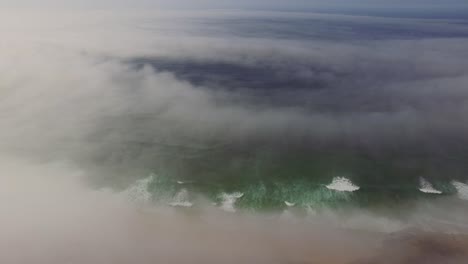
x=235 y=137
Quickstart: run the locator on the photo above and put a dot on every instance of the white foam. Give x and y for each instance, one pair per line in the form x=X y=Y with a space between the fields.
x=462 y=189
x=181 y=199
x=426 y=187
x=288 y=204
x=138 y=192
x=342 y=184
x=229 y=200
x=184 y=182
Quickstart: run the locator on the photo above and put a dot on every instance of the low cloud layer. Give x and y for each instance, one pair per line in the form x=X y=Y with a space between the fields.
x=104 y=86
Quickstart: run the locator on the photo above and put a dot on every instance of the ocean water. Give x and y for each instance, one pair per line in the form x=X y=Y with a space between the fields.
x=360 y=127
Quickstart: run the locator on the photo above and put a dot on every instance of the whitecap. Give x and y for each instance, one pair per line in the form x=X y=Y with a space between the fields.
x=462 y=189
x=181 y=199
x=289 y=204
x=426 y=187
x=342 y=184
x=229 y=200
x=184 y=182
x=138 y=192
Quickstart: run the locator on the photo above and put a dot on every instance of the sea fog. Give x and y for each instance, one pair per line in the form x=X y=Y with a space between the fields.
x=96 y=105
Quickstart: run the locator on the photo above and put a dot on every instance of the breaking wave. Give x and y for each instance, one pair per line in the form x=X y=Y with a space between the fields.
x=255 y=195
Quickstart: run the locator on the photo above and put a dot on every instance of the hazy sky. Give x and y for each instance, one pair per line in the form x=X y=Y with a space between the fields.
x=291 y=4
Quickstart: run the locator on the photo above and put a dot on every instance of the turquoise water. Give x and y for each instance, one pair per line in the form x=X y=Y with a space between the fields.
x=276 y=195
x=272 y=181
